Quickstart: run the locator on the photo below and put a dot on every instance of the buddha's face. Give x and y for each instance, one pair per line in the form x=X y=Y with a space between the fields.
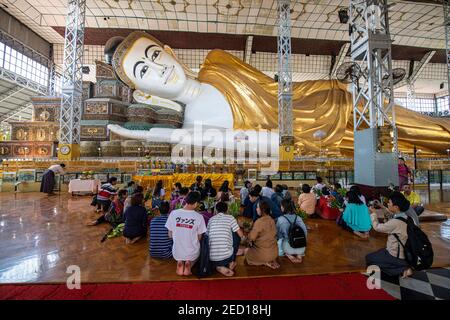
x=153 y=70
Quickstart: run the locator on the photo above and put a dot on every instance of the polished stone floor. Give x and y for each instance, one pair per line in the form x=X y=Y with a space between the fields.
x=41 y=236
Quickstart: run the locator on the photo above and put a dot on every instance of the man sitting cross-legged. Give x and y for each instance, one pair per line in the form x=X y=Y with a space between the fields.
x=414 y=199
x=186 y=227
x=224 y=239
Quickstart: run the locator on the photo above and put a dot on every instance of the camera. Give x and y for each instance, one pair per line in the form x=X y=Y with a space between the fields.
x=375 y=203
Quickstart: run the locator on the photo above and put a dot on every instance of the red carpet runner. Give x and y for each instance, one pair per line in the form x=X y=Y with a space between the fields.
x=323 y=287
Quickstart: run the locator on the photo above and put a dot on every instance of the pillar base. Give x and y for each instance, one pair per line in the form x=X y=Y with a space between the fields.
x=371 y=193
x=286 y=153
x=68 y=151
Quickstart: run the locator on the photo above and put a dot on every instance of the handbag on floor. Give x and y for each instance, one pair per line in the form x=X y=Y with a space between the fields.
x=204 y=264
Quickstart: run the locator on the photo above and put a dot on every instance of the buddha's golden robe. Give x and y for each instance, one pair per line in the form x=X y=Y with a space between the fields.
x=317 y=105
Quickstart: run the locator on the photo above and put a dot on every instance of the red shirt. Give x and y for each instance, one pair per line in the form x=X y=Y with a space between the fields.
x=325 y=211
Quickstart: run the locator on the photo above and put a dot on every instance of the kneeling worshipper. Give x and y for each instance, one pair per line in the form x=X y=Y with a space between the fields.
x=356 y=217
x=48 y=178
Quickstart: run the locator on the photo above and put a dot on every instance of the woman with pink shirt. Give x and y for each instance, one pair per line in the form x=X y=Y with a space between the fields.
x=403 y=172
x=307 y=200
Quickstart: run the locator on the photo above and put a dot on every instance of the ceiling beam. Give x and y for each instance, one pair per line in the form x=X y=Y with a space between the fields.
x=418 y=69
x=23 y=82
x=339 y=59
x=16 y=112
x=8 y=94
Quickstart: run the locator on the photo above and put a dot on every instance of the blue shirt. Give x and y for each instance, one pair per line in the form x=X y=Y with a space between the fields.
x=248 y=208
x=283 y=225
x=357 y=217
x=160 y=243
x=275 y=210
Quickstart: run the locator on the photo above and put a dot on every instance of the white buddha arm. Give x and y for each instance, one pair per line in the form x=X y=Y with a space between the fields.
x=216 y=138
x=164 y=103
x=145 y=98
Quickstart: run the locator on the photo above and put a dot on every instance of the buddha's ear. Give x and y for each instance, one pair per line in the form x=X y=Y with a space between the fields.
x=141 y=97
x=189 y=73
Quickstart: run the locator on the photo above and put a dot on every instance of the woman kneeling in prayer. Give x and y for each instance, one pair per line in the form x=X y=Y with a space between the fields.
x=284 y=224
x=264 y=249
x=135 y=219
x=356 y=217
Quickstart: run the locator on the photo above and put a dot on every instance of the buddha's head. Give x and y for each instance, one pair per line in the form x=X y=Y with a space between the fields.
x=145 y=64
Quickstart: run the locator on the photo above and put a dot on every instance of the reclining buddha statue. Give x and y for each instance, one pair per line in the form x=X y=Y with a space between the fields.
x=227 y=93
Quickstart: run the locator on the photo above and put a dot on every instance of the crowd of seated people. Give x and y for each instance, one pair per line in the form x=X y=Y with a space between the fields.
x=177 y=229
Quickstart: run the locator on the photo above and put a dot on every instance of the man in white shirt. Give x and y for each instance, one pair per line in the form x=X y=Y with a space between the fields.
x=186 y=227
x=48 y=178
x=319 y=185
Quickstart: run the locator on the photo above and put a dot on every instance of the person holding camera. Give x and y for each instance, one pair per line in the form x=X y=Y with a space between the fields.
x=391 y=259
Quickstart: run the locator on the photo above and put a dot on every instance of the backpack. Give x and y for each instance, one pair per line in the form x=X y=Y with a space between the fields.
x=418 y=250
x=204 y=264
x=297 y=238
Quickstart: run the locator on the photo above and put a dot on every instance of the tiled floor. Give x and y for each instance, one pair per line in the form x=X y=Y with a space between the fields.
x=433 y=284
x=40 y=237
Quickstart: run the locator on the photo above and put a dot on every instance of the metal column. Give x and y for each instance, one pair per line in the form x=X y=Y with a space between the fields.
x=285 y=81
x=373 y=97
x=447 y=40
x=72 y=85
x=410 y=96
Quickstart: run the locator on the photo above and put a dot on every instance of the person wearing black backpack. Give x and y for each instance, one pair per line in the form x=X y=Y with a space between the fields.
x=391 y=259
x=291 y=233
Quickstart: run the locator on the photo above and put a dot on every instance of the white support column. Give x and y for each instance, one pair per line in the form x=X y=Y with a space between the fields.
x=410 y=96
x=248 y=49
x=418 y=69
x=72 y=86
x=285 y=81
x=373 y=96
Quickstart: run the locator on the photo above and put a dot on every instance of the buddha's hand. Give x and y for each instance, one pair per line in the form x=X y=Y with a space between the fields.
x=131 y=134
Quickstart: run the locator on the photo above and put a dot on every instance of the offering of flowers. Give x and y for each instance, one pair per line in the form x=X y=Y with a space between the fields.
x=318 y=193
x=209 y=203
x=86 y=175
x=234 y=208
x=301 y=213
x=342 y=192
x=333 y=203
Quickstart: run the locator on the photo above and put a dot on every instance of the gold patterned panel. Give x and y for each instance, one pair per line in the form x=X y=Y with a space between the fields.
x=22 y=150
x=42 y=151
x=93 y=131
x=21 y=134
x=5 y=150
x=41 y=135
x=96 y=107
x=103 y=70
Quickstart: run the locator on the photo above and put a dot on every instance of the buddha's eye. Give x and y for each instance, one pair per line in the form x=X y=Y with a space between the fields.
x=143 y=70
x=155 y=55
